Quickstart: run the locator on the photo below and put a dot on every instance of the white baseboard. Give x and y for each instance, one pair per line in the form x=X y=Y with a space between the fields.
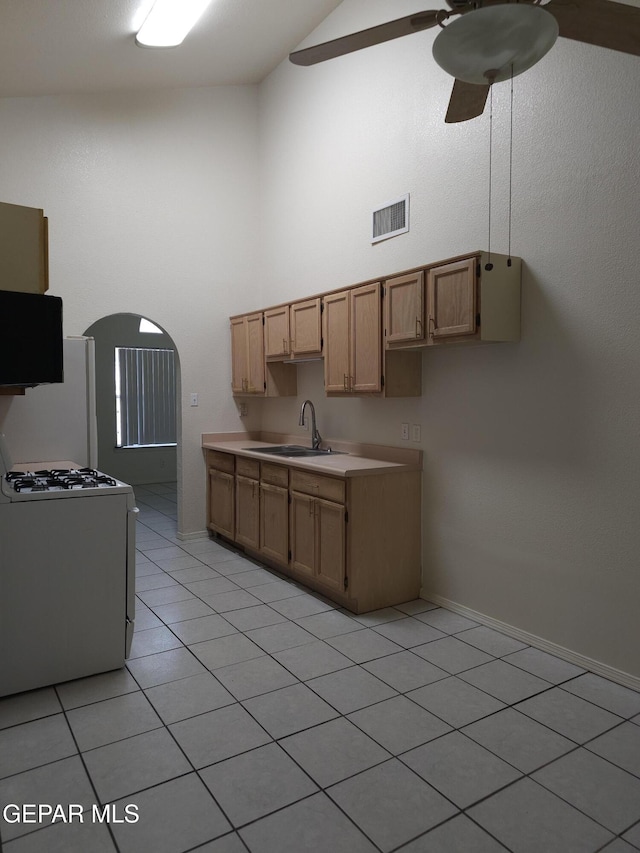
x=198 y=534
x=610 y=672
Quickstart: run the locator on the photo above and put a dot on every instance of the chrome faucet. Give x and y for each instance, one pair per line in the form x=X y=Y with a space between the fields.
x=316 y=438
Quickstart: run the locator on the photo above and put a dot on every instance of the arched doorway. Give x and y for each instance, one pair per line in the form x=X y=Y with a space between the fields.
x=139 y=453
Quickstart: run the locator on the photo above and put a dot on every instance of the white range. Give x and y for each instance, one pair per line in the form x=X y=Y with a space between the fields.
x=67 y=573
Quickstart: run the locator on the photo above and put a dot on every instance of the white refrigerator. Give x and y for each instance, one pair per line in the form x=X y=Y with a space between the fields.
x=58 y=421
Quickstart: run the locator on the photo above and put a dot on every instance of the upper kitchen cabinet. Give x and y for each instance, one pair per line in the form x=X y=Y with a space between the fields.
x=247 y=355
x=277 y=336
x=352 y=357
x=463 y=300
x=293 y=331
x=306 y=328
x=250 y=375
x=404 y=308
x=474 y=299
x=354 y=362
x=24 y=255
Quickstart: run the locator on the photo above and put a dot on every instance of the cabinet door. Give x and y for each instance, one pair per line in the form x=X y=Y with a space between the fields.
x=276 y=333
x=306 y=328
x=330 y=533
x=452 y=300
x=239 y=369
x=274 y=522
x=24 y=256
x=366 y=341
x=221 y=502
x=302 y=527
x=404 y=308
x=255 y=357
x=247 y=512
x=336 y=342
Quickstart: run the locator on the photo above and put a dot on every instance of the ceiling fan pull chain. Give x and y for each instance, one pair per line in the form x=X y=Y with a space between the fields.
x=510 y=165
x=489 y=266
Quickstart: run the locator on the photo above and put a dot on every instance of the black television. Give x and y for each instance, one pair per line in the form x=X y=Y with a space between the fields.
x=30 y=339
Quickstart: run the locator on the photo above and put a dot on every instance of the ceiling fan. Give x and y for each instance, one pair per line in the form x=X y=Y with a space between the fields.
x=495 y=39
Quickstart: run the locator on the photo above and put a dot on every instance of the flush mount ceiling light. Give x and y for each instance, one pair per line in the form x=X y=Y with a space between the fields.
x=494 y=43
x=169 y=21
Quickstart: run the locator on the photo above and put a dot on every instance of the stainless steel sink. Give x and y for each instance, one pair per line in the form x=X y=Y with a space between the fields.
x=292 y=450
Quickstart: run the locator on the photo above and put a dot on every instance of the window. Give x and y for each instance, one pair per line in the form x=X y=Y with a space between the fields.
x=145 y=397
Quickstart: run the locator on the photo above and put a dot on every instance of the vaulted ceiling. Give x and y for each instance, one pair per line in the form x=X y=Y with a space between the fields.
x=62 y=46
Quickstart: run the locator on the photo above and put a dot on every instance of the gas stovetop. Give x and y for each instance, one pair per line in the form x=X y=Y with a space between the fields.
x=58 y=479
x=34 y=482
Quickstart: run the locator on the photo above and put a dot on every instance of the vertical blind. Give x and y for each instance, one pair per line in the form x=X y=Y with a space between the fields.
x=145 y=396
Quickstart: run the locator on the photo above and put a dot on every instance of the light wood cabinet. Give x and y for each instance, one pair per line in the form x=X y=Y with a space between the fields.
x=404 y=308
x=337 y=334
x=465 y=300
x=452 y=300
x=24 y=250
x=221 y=492
x=306 y=328
x=375 y=350
x=277 y=334
x=474 y=299
x=247 y=354
x=318 y=541
x=274 y=523
x=352 y=350
x=354 y=359
x=293 y=331
x=247 y=530
x=251 y=374
x=354 y=539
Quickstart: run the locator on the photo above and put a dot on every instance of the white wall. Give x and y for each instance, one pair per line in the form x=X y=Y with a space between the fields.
x=531 y=486
x=151 y=199
x=531 y=450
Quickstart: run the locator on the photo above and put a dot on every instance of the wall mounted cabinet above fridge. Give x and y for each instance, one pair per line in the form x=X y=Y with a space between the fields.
x=24 y=254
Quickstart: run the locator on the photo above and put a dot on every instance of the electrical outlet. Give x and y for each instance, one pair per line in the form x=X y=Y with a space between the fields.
x=415 y=432
x=404 y=432
x=194 y=399
x=243 y=410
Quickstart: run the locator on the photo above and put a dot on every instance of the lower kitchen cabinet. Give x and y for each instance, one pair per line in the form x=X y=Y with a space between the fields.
x=247 y=511
x=274 y=523
x=354 y=539
x=221 y=500
x=318 y=541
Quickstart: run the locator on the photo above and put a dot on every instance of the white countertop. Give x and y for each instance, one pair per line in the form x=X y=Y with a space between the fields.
x=338 y=465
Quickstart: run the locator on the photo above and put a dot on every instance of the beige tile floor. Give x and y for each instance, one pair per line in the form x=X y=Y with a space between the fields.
x=255 y=716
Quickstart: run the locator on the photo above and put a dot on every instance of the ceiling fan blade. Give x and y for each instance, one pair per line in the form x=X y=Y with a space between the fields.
x=367 y=38
x=599 y=22
x=467 y=101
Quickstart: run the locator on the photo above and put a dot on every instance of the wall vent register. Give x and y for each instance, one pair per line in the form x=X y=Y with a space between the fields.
x=391 y=219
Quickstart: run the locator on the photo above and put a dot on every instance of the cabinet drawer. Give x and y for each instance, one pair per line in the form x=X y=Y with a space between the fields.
x=220 y=461
x=277 y=475
x=317 y=485
x=248 y=467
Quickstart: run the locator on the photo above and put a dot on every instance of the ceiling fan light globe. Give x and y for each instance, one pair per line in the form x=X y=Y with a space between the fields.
x=494 y=43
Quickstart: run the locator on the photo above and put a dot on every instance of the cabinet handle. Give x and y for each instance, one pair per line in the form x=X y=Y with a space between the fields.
x=419 y=332
x=432 y=326
x=285 y=350
x=312 y=504
x=351 y=383
x=344 y=381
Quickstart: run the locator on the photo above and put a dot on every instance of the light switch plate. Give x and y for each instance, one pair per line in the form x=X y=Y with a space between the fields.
x=415 y=432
